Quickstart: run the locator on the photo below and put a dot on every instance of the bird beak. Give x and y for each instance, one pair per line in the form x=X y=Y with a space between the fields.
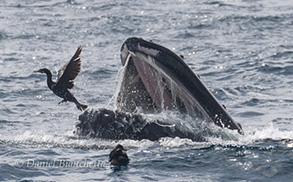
x=37 y=71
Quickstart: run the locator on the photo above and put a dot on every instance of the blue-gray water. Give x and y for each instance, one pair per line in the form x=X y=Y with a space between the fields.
x=243 y=51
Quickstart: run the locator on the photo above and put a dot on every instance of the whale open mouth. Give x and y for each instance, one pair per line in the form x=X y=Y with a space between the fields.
x=156 y=79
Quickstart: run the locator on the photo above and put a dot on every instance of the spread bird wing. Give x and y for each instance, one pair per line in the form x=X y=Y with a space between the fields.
x=69 y=71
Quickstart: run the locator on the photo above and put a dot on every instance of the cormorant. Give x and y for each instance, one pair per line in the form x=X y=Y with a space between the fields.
x=118 y=156
x=65 y=78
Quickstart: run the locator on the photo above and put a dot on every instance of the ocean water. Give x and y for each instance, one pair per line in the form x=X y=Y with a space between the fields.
x=242 y=49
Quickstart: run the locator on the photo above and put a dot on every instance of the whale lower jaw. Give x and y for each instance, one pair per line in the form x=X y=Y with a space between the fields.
x=108 y=124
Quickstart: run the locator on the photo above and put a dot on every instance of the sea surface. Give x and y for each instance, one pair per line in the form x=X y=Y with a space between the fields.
x=242 y=50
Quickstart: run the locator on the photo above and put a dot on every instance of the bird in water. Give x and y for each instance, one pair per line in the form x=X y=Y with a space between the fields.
x=118 y=156
x=65 y=78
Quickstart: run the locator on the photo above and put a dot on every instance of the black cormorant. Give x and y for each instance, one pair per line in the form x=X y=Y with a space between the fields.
x=65 y=78
x=118 y=156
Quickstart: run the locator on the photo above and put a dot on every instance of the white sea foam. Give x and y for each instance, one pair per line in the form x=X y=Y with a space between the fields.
x=214 y=135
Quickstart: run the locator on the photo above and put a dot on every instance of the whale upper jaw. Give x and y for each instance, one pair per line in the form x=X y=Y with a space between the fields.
x=156 y=79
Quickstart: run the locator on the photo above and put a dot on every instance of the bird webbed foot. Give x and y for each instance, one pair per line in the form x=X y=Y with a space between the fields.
x=61 y=101
x=81 y=106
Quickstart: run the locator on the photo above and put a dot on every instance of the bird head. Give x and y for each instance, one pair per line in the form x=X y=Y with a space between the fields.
x=43 y=70
x=120 y=147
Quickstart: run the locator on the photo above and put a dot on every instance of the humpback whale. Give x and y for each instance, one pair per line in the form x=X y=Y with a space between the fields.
x=154 y=79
